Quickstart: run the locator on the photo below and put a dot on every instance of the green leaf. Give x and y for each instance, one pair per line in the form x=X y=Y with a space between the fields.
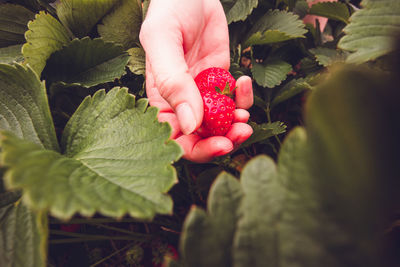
x=23 y=234
x=87 y=62
x=334 y=190
x=29 y=4
x=10 y=54
x=117 y=160
x=212 y=234
x=123 y=24
x=356 y=163
x=262 y=132
x=80 y=16
x=137 y=60
x=289 y=90
x=274 y=27
x=253 y=242
x=331 y=10
x=301 y=8
x=24 y=109
x=236 y=10
x=270 y=73
x=13 y=24
x=45 y=36
x=372 y=31
x=327 y=56
x=307 y=233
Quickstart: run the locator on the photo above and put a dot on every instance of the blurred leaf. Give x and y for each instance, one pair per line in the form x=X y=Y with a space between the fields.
x=205 y=179
x=301 y=8
x=331 y=10
x=34 y=5
x=13 y=24
x=24 y=109
x=137 y=60
x=30 y=4
x=23 y=234
x=264 y=131
x=122 y=25
x=10 y=54
x=327 y=56
x=87 y=62
x=357 y=147
x=253 y=241
x=80 y=16
x=145 y=7
x=331 y=197
x=274 y=27
x=270 y=73
x=372 y=30
x=212 y=234
x=117 y=160
x=290 y=89
x=45 y=36
x=236 y=10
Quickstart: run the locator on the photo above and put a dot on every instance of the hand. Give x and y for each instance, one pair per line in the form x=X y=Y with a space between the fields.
x=181 y=38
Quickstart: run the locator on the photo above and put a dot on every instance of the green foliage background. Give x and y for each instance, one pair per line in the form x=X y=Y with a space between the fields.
x=315 y=185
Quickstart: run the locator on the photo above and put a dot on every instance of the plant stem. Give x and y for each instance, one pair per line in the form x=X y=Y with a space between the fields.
x=268 y=112
x=121 y=230
x=94 y=220
x=84 y=237
x=110 y=256
x=96 y=238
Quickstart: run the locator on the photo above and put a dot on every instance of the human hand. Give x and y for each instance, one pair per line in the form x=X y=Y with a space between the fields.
x=181 y=38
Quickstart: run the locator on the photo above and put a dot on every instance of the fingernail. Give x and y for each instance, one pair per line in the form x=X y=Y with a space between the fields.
x=186 y=118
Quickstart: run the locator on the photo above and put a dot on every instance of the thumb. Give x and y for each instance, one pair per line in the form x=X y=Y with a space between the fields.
x=182 y=94
x=171 y=74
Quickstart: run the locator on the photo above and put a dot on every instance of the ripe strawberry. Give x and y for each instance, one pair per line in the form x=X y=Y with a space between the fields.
x=211 y=78
x=216 y=86
x=218 y=114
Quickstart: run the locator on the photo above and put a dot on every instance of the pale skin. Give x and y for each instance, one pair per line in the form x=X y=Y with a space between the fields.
x=182 y=38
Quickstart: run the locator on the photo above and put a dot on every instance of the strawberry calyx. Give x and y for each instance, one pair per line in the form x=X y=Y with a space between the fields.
x=226 y=91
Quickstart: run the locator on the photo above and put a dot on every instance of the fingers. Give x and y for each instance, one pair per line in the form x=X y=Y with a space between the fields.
x=244 y=92
x=152 y=92
x=239 y=133
x=203 y=150
x=170 y=117
x=241 y=115
x=170 y=72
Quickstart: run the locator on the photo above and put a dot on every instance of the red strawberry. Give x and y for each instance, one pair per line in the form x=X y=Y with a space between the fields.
x=218 y=114
x=211 y=78
x=216 y=85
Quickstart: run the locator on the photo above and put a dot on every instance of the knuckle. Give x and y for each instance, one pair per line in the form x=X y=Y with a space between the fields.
x=168 y=87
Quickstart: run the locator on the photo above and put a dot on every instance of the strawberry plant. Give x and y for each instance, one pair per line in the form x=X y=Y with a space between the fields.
x=90 y=177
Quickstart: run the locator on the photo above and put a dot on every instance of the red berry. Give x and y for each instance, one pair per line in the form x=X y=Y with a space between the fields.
x=218 y=114
x=215 y=86
x=210 y=78
x=70 y=227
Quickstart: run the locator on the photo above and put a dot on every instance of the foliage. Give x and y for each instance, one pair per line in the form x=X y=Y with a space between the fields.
x=80 y=145
x=304 y=209
x=372 y=30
